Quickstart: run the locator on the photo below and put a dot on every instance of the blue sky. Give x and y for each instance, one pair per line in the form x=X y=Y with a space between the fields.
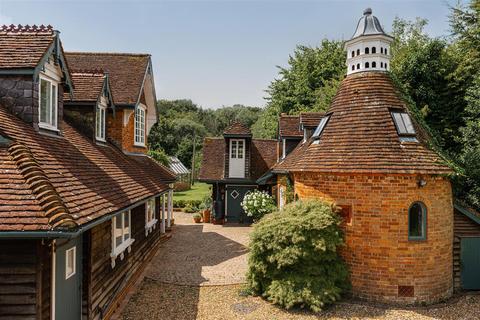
x=213 y=52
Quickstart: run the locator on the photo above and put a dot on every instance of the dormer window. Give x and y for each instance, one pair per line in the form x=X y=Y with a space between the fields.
x=237 y=158
x=140 y=126
x=404 y=126
x=100 y=122
x=48 y=103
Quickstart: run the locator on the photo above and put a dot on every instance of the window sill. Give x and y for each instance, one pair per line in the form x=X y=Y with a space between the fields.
x=150 y=226
x=120 y=250
x=47 y=126
x=138 y=144
x=101 y=140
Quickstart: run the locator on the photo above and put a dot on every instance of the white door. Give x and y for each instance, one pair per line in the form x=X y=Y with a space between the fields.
x=236 y=168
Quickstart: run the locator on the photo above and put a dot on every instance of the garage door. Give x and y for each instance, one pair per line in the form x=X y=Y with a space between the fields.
x=470 y=263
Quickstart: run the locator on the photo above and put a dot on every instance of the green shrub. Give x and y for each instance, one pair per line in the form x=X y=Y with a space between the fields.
x=186 y=203
x=293 y=258
x=190 y=208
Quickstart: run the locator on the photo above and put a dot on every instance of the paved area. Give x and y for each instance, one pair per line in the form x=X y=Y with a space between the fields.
x=201 y=254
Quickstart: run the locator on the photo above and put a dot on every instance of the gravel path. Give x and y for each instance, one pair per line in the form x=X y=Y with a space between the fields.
x=197 y=275
x=201 y=254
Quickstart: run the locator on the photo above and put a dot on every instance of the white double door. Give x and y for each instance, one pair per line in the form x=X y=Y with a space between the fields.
x=236 y=168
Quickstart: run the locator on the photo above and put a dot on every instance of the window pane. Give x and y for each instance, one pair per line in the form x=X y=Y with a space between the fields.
x=240 y=149
x=234 y=149
x=321 y=126
x=408 y=123
x=53 y=112
x=44 y=100
x=103 y=122
x=126 y=230
x=397 y=117
x=415 y=218
x=99 y=121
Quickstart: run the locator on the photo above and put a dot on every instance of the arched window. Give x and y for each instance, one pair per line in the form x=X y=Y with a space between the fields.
x=367 y=65
x=353 y=54
x=381 y=64
x=367 y=50
x=374 y=49
x=381 y=50
x=385 y=51
x=374 y=64
x=353 y=67
x=358 y=66
x=386 y=65
x=417 y=221
x=358 y=52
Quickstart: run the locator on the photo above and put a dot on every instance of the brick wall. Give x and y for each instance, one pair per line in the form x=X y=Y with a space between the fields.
x=122 y=135
x=378 y=252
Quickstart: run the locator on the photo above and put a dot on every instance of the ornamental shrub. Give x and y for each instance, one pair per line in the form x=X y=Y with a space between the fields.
x=256 y=204
x=293 y=259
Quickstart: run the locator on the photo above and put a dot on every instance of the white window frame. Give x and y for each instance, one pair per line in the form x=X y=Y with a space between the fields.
x=139 y=131
x=150 y=216
x=100 y=131
x=53 y=124
x=119 y=250
x=321 y=126
x=72 y=250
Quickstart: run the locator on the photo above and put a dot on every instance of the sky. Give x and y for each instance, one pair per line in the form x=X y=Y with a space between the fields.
x=216 y=53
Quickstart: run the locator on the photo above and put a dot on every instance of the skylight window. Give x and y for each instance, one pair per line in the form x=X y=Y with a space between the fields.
x=403 y=123
x=321 y=126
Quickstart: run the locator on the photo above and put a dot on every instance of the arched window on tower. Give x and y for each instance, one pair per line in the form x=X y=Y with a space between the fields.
x=381 y=50
x=385 y=51
x=417 y=221
x=353 y=54
x=367 y=50
x=381 y=64
x=374 y=64
x=374 y=50
x=358 y=52
x=386 y=66
x=353 y=67
x=367 y=65
x=358 y=66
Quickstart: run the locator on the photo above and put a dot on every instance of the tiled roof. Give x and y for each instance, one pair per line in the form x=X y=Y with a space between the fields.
x=361 y=136
x=91 y=180
x=23 y=47
x=311 y=119
x=126 y=71
x=289 y=126
x=263 y=157
x=87 y=86
x=237 y=128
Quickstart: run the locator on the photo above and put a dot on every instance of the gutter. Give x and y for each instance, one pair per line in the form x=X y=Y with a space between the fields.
x=65 y=234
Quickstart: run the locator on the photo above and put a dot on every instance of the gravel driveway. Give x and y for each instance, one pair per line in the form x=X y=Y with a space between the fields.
x=197 y=275
x=201 y=254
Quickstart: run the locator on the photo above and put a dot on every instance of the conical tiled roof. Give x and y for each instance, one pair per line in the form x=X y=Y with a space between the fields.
x=360 y=135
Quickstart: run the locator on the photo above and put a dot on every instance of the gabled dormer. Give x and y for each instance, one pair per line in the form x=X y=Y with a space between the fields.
x=289 y=134
x=309 y=122
x=92 y=102
x=133 y=92
x=238 y=139
x=34 y=75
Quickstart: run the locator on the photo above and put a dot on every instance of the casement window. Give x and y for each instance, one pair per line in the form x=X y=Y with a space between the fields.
x=236 y=150
x=318 y=131
x=121 y=235
x=140 y=125
x=100 y=122
x=70 y=262
x=417 y=221
x=150 y=219
x=48 y=103
x=404 y=126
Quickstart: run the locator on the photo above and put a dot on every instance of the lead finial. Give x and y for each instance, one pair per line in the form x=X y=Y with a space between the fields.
x=367 y=11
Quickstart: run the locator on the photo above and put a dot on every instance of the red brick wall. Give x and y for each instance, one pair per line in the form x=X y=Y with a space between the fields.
x=378 y=252
x=123 y=135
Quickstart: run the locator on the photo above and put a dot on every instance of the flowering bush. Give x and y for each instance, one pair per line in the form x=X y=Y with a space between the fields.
x=256 y=204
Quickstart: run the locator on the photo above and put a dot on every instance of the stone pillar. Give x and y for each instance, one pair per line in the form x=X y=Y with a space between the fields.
x=162 y=221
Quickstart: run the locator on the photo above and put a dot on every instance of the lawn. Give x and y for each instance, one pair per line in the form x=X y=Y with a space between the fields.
x=198 y=192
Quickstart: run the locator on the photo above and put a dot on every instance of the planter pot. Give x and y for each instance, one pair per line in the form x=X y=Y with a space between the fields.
x=206 y=216
x=197 y=220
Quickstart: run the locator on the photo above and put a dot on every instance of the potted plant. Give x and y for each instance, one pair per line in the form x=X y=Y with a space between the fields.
x=197 y=217
x=206 y=208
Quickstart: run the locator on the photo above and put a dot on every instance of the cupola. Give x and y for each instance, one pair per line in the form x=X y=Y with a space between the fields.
x=369 y=47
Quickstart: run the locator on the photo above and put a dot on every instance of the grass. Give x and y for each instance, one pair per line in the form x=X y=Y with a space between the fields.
x=198 y=192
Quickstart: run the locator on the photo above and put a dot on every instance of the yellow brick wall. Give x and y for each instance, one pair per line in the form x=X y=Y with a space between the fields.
x=378 y=252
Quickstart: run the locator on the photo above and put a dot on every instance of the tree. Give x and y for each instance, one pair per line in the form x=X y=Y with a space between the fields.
x=308 y=84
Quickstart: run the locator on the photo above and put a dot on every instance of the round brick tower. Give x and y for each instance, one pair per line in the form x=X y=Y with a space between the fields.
x=371 y=158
